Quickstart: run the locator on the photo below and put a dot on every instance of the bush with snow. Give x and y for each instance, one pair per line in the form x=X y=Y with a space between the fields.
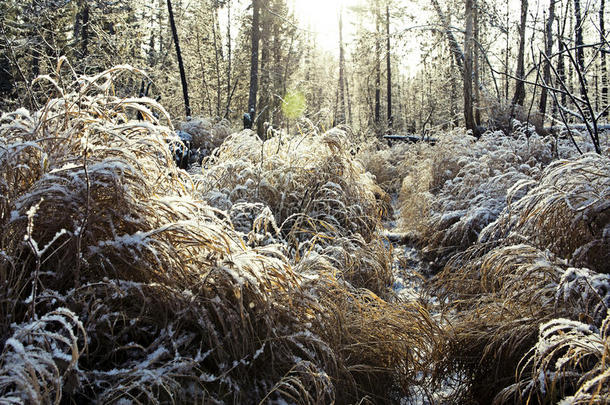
x=523 y=240
x=207 y=134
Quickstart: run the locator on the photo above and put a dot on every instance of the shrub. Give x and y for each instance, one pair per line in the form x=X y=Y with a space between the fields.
x=567 y=211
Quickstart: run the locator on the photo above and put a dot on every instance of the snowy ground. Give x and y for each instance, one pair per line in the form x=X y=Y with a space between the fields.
x=407 y=265
x=410 y=274
x=407 y=268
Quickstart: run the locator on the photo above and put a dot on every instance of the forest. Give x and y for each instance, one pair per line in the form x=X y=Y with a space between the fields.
x=304 y=202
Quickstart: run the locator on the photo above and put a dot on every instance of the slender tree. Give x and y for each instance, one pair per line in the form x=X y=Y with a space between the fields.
x=350 y=119
x=507 y=50
x=185 y=93
x=578 y=42
x=254 y=55
x=229 y=59
x=341 y=96
x=561 y=67
x=468 y=113
x=83 y=27
x=548 y=50
x=388 y=64
x=456 y=50
x=519 y=96
x=377 y=66
x=476 y=66
x=218 y=57
x=604 y=69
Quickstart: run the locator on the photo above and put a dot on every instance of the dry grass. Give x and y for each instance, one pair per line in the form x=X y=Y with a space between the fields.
x=568 y=363
x=39 y=357
x=315 y=196
x=496 y=301
x=457 y=187
x=118 y=283
x=569 y=360
x=387 y=164
x=518 y=312
x=206 y=133
x=567 y=211
x=264 y=279
x=509 y=118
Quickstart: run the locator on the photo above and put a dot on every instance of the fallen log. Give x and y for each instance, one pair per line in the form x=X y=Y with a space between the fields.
x=402 y=238
x=409 y=139
x=579 y=127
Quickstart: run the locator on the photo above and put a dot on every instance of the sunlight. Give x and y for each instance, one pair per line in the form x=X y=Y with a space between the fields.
x=322 y=18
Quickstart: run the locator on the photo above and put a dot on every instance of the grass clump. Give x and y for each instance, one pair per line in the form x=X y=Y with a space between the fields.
x=119 y=283
x=527 y=303
x=459 y=186
x=566 y=211
x=388 y=164
x=206 y=133
x=496 y=298
x=318 y=199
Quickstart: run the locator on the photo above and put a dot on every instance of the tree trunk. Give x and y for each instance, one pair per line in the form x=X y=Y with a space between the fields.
x=229 y=61
x=548 y=50
x=161 y=18
x=217 y=57
x=453 y=43
x=276 y=76
x=185 y=93
x=377 y=66
x=254 y=56
x=84 y=34
x=561 y=67
x=206 y=95
x=604 y=69
x=6 y=79
x=477 y=83
x=580 y=52
x=506 y=51
x=455 y=116
x=341 y=96
x=468 y=115
x=288 y=62
x=265 y=74
x=519 y=96
x=389 y=66
x=350 y=118
x=151 y=50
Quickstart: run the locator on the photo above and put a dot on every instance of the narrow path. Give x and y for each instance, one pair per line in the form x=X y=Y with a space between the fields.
x=407 y=265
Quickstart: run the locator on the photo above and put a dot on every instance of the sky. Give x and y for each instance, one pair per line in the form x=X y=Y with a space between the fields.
x=322 y=17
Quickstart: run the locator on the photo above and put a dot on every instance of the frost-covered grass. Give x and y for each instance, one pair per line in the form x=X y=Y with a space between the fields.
x=389 y=165
x=207 y=134
x=124 y=280
x=454 y=189
x=518 y=229
x=265 y=278
x=307 y=194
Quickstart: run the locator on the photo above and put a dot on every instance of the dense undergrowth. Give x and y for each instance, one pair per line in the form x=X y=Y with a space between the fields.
x=518 y=229
x=262 y=276
x=124 y=279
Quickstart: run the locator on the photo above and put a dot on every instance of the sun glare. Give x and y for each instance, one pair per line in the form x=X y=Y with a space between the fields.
x=322 y=18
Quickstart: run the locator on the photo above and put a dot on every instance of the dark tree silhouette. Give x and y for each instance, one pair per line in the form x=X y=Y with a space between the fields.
x=185 y=93
x=519 y=96
x=254 y=56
